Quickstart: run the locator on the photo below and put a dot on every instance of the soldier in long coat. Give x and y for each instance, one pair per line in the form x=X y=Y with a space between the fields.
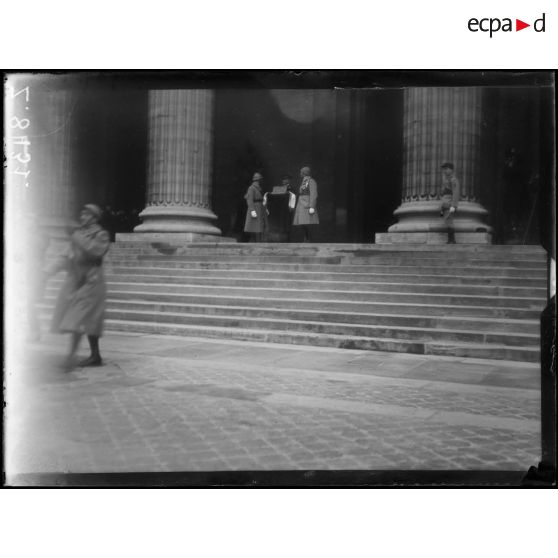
x=256 y=216
x=80 y=307
x=306 y=214
x=450 y=199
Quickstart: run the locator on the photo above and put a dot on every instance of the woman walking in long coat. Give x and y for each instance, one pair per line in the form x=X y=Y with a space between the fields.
x=81 y=303
x=256 y=217
x=306 y=214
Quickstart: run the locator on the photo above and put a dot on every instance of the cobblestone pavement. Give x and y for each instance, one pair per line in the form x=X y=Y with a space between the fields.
x=182 y=404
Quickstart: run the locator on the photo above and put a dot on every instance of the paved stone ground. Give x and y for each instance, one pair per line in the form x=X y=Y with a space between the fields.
x=182 y=404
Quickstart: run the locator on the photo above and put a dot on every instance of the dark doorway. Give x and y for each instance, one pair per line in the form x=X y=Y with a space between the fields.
x=516 y=157
x=352 y=139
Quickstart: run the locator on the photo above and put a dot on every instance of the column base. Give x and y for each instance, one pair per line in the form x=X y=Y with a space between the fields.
x=177 y=219
x=424 y=217
x=432 y=238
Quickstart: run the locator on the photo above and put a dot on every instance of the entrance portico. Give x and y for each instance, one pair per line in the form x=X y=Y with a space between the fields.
x=182 y=157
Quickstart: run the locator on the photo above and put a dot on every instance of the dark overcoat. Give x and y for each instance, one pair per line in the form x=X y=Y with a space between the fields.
x=254 y=201
x=80 y=307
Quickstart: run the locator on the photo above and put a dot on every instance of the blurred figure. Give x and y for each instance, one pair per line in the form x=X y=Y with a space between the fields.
x=450 y=199
x=279 y=205
x=255 y=223
x=515 y=195
x=81 y=303
x=306 y=214
x=109 y=222
x=286 y=183
x=36 y=244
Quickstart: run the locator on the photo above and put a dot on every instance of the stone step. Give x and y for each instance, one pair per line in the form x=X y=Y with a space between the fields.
x=405 y=308
x=238 y=249
x=347 y=286
x=284 y=257
x=254 y=259
x=496 y=270
x=484 y=324
x=358 y=330
x=458 y=247
x=444 y=260
x=464 y=350
x=466 y=301
x=386 y=296
x=248 y=250
x=462 y=323
x=329 y=248
x=394 y=260
x=374 y=274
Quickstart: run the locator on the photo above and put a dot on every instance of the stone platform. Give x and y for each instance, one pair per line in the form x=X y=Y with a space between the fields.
x=171 y=237
x=432 y=238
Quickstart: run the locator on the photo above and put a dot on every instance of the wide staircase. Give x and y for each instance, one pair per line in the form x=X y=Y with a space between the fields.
x=463 y=300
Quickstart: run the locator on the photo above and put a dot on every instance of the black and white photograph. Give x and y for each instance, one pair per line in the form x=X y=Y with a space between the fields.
x=279 y=278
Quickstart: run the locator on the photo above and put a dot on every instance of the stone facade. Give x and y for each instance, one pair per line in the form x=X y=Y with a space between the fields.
x=181 y=157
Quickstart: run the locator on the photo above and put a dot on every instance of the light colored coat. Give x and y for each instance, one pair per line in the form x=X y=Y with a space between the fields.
x=80 y=307
x=307 y=198
x=451 y=193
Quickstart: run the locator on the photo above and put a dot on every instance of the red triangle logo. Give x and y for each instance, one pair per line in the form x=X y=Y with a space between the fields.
x=519 y=25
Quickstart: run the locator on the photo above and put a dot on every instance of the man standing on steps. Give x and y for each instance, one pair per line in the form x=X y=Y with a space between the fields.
x=256 y=217
x=80 y=307
x=450 y=199
x=306 y=214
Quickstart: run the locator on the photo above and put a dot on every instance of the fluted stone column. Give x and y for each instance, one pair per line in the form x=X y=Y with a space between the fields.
x=180 y=163
x=53 y=193
x=441 y=124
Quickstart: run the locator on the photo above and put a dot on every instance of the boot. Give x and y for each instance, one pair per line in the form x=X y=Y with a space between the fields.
x=93 y=360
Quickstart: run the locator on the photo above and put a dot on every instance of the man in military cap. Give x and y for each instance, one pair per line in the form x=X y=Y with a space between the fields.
x=306 y=213
x=80 y=307
x=256 y=218
x=450 y=199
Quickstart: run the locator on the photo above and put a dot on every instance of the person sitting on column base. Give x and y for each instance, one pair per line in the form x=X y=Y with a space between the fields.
x=450 y=199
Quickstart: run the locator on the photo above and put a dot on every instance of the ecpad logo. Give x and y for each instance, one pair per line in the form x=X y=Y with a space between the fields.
x=494 y=24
